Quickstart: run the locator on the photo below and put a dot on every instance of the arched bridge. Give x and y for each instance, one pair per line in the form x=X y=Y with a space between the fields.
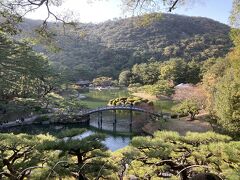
x=131 y=109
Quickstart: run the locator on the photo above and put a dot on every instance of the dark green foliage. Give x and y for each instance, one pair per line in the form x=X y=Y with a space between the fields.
x=86 y=156
x=188 y=106
x=124 y=78
x=169 y=155
x=162 y=87
x=193 y=72
x=102 y=81
x=145 y=73
x=71 y=132
x=166 y=74
x=50 y=157
x=180 y=71
x=18 y=153
x=41 y=119
x=174 y=70
x=24 y=73
x=166 y=154
x=160 y=78
x=106 y=49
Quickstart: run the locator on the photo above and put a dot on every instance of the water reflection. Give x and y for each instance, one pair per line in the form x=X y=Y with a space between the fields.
x=115 y=143
x=122 y=121
x=112 y=141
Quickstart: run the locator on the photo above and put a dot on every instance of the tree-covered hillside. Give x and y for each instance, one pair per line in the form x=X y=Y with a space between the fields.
x=107 y=48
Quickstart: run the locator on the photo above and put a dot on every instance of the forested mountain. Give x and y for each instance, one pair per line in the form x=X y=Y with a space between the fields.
x=107 y=48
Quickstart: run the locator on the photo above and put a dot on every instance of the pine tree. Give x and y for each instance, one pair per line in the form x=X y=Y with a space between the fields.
x=87 y=156
x=20 y=155
x=188 y=106
x=169 y=155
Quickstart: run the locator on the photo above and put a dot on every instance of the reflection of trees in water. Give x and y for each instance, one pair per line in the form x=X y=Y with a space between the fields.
x=13 y=115
x=40 y=128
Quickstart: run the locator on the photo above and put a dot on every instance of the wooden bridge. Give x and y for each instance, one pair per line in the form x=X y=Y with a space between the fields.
x=85 y=114
x=131 y=109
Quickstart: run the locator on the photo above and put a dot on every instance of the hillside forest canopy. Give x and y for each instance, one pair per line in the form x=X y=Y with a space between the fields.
x=40 y=62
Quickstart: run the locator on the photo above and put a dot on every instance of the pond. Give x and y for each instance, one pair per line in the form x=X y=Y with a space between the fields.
x=94 y=99
x=113 y=141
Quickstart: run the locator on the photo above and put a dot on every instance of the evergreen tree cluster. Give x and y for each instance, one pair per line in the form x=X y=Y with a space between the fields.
x=106 y=49
x=175 y=71
x=23 y=72
x=222 y=83
x=70 y=154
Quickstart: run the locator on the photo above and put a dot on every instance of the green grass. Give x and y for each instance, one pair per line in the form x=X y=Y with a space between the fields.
x=97 y=99
x=100 y=98
x=165 y=105
x=93 y=104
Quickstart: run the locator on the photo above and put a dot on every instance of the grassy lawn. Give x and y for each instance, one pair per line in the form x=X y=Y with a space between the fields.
x=93 y=103
x=95 y=99
x=165 y=105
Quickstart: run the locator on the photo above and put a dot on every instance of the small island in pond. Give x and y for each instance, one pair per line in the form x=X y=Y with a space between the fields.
x=130 y=101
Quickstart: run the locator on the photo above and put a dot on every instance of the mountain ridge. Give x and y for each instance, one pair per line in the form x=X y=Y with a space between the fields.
x=104 y=49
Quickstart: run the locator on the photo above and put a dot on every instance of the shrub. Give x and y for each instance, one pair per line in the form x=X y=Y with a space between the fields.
x=188 y=106
x=127 y=101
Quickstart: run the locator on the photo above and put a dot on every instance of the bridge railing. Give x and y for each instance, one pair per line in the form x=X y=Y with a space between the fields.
x=90 y=111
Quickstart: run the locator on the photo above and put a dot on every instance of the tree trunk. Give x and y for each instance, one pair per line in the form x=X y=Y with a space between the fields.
x=80 y=163
x=81 y=177
x=192 y=116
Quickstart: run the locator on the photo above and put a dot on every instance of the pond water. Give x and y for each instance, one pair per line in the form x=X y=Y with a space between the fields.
x=122 y=121
x=94 y=99
x=113 y=141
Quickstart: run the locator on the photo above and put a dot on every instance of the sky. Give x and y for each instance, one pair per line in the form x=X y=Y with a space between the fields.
x=100 y=11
